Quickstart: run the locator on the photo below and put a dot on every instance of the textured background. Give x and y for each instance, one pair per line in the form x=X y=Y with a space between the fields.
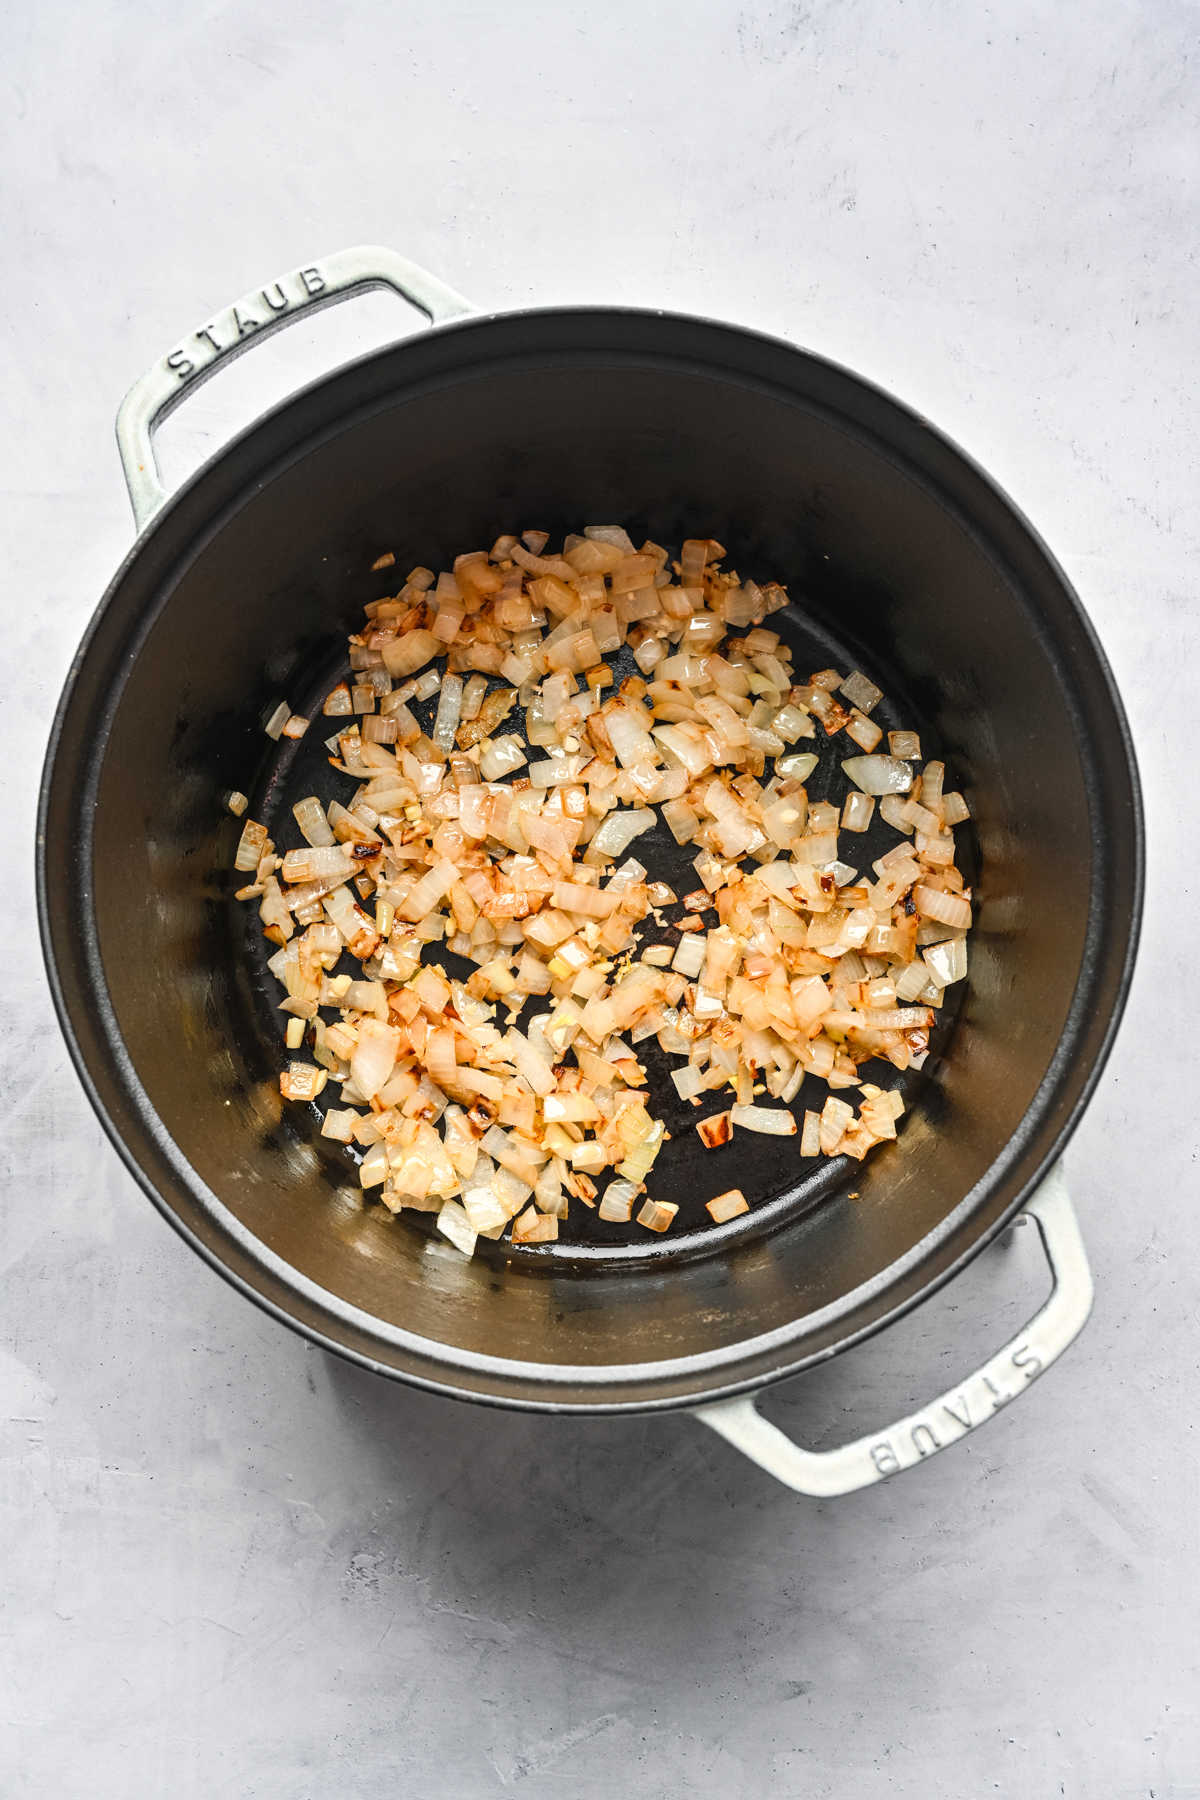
x=233 y=1567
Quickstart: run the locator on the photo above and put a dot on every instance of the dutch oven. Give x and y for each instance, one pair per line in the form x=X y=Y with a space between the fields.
x=902 y=557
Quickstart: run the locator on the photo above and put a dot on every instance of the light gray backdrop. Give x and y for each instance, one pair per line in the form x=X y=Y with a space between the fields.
x=231 y=1567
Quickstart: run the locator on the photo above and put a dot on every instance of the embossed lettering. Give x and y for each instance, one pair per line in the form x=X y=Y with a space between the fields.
x=181 y=363
x=885 y=1458
x=1027 y=1360
x=280 y=305
x=244 y=325
x=313 y=280
x=964 y=1417
x=919 y=1445
x=998 y=1399
x=206 y=331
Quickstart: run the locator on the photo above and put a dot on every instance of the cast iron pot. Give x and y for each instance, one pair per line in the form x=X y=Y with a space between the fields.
x=904 y=558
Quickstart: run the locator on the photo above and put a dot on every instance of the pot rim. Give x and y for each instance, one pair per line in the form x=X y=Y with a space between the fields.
x=600 y=1388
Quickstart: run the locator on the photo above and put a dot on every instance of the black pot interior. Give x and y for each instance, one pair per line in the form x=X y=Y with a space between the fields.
x=900 y=558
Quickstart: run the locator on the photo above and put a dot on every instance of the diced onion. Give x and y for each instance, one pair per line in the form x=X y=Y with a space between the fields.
x=251 y=845
x=905 y=744
x=727 y=1206
x=773 y=1121
x=689 y=958
x=617 y=832
x=688 y=1081
x=374 y=1056
x=448 y=713
x=616 y=1203
x=796 y=768
x=857 y=811
x=879 y=774
x=657 y=1215
x=865 y=733
x=339 y=1123
x=404 y=655
x=631 y=741
x=453 y=1223
x=503 y=756
x=786 y=965
x=534 y=1227
x=860 y=692
x=276 y=719
x=716 y=1130
x=836 y=1115
x=314 y=826
x=316 y=864
x=947 y=909
x=682 y=820
x=947 y=962
x=374 y=1166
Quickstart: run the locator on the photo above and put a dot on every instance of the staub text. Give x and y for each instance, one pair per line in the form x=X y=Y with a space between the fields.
x=230 y=329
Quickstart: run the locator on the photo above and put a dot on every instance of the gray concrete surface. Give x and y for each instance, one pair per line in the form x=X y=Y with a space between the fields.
x=232 y=1567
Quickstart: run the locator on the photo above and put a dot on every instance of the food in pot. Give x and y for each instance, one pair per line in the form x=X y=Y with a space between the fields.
x=500 y=1084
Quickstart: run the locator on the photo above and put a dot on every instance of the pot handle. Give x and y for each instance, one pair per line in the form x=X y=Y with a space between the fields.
x=949 y=1418
x=256 y=316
